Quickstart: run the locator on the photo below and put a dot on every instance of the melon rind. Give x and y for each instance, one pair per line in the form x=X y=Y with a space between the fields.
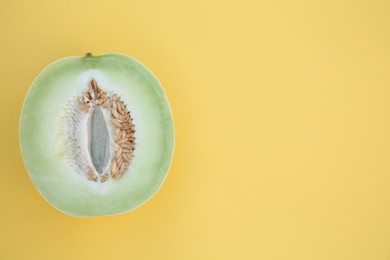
x=43 y=141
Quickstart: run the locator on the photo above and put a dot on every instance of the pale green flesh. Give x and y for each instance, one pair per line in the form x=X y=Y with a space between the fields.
x=42 y=143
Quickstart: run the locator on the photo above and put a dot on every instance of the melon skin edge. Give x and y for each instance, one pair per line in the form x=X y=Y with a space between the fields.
x=41 y=145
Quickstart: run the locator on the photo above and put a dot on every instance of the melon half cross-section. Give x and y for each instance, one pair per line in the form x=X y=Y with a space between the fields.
x=96 y=134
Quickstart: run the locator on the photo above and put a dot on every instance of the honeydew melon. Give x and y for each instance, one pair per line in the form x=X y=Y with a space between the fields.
x=96 y=134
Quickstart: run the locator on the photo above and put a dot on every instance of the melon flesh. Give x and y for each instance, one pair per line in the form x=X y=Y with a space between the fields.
x=45 y=146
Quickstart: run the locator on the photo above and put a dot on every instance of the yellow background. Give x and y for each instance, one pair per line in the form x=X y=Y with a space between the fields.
x=282 y=120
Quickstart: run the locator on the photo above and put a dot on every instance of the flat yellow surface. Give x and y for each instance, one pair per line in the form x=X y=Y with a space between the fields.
x=282 y=118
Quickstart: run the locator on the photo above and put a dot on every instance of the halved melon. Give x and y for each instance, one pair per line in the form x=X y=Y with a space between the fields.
x=96 y=134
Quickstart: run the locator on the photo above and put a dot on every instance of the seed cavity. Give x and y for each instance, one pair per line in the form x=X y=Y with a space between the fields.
x=107 y=124
x=99 y=140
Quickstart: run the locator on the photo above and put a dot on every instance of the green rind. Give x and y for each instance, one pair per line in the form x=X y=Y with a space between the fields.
x=42 y=146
